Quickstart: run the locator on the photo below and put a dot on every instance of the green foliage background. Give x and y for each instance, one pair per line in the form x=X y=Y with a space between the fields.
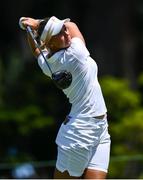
x=125 y=117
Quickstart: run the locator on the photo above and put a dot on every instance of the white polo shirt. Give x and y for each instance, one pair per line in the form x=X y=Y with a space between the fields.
x=84 y=93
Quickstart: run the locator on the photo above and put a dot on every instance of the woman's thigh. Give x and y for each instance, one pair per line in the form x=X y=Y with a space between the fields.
x=94 y=174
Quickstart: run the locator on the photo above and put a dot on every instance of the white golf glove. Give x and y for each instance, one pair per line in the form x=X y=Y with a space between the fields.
x=21 y=24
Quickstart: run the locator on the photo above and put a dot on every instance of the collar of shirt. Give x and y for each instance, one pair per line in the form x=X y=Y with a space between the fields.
x=55 y=56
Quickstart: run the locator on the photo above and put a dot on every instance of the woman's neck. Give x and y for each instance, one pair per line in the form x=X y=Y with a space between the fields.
x=51 y=52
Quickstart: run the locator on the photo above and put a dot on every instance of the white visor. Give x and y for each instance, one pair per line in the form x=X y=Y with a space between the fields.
x=53 y=27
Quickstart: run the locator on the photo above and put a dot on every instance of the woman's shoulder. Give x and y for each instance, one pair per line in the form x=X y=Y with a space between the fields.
x=74 y=31
x=78 y=48
x=77 y=40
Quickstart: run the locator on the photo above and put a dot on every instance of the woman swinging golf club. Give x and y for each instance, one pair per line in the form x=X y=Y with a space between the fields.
x=83 y=140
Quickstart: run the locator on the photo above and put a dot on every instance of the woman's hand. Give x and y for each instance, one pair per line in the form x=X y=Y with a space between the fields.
x=27 y=21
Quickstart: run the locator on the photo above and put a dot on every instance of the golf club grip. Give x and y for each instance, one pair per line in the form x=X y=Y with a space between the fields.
x=29 y=30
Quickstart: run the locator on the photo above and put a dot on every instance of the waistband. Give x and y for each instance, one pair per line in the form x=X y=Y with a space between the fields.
x=67 y=118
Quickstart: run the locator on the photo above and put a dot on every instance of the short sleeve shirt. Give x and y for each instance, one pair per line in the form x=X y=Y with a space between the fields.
x=84 y=93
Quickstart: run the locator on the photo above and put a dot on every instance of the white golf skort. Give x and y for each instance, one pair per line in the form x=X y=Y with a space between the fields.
x=83 y=143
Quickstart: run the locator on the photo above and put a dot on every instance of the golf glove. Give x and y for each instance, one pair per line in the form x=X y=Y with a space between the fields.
x=21 y=24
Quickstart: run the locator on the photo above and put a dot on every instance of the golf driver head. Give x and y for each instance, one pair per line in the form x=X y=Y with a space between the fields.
x=62 y=79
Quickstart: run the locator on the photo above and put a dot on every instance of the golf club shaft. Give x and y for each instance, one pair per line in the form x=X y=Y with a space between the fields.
x=29 y=30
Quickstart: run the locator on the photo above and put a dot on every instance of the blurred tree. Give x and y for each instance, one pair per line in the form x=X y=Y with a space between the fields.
x=125 y=115
x=119 y=97
x=1 y=83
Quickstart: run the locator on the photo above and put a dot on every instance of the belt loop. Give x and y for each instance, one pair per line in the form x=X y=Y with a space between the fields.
x=100 y=117
x=67 y=119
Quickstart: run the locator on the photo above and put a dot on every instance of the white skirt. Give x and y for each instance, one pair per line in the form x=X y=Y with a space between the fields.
x=83 y=143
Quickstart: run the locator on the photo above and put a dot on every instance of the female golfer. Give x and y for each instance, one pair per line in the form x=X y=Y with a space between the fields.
x=83 y=140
